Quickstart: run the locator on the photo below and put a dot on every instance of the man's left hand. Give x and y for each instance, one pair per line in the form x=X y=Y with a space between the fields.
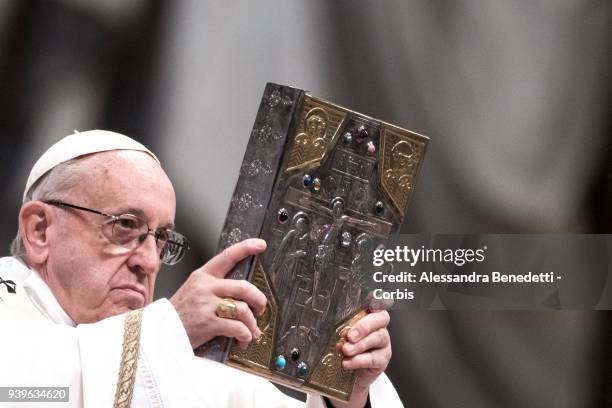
x=368 y=350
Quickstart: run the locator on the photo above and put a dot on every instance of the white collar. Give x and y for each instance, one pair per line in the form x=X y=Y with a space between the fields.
x=42 y=298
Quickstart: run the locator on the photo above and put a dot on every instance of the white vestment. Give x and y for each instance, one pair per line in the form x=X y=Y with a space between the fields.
x=41 y=346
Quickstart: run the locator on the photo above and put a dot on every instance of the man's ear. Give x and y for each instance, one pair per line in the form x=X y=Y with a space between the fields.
x=33 y=224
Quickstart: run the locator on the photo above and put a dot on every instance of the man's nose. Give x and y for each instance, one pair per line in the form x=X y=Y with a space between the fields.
x=146 y=255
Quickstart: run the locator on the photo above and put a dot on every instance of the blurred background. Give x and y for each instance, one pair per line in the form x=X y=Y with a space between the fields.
x=516 y=97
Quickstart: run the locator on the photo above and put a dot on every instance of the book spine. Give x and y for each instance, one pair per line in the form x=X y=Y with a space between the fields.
x=256 y=180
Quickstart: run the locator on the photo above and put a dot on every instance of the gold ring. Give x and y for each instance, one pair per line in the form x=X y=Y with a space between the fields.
x=227 y=309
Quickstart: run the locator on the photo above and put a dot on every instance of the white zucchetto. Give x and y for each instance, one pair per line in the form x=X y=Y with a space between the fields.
x=79 y=144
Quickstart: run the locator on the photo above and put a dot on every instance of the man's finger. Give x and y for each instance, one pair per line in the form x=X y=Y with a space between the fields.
x=373 y=360
x=221 y=264
x=245 y=315
x=242 y=290
x=242 y=344
x=368 y=324
x=376 y=340
x=236 y=329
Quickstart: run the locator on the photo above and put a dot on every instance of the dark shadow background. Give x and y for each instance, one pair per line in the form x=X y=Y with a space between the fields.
x=516 y=97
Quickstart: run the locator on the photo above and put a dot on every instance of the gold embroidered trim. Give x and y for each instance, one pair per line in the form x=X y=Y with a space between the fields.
x=129 y=359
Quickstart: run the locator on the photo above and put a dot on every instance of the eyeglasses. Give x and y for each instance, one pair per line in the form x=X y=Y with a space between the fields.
x=130 y=231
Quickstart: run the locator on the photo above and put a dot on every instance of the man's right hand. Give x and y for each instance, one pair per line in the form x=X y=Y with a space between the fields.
x=197 y=299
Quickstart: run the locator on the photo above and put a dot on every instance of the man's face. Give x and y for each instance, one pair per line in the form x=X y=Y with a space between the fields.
x=92 y=278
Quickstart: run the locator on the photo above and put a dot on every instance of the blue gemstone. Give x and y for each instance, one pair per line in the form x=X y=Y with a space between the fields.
x=280 y=362
x=307 y=180
x=302 y=369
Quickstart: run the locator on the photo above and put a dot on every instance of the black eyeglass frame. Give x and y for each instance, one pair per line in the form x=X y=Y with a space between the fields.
x=155 y=232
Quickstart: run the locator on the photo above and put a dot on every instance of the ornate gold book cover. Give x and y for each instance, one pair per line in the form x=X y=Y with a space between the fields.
x=324 y=186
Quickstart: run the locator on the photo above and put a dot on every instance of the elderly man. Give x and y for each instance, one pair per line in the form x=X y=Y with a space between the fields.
x=76 y=303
